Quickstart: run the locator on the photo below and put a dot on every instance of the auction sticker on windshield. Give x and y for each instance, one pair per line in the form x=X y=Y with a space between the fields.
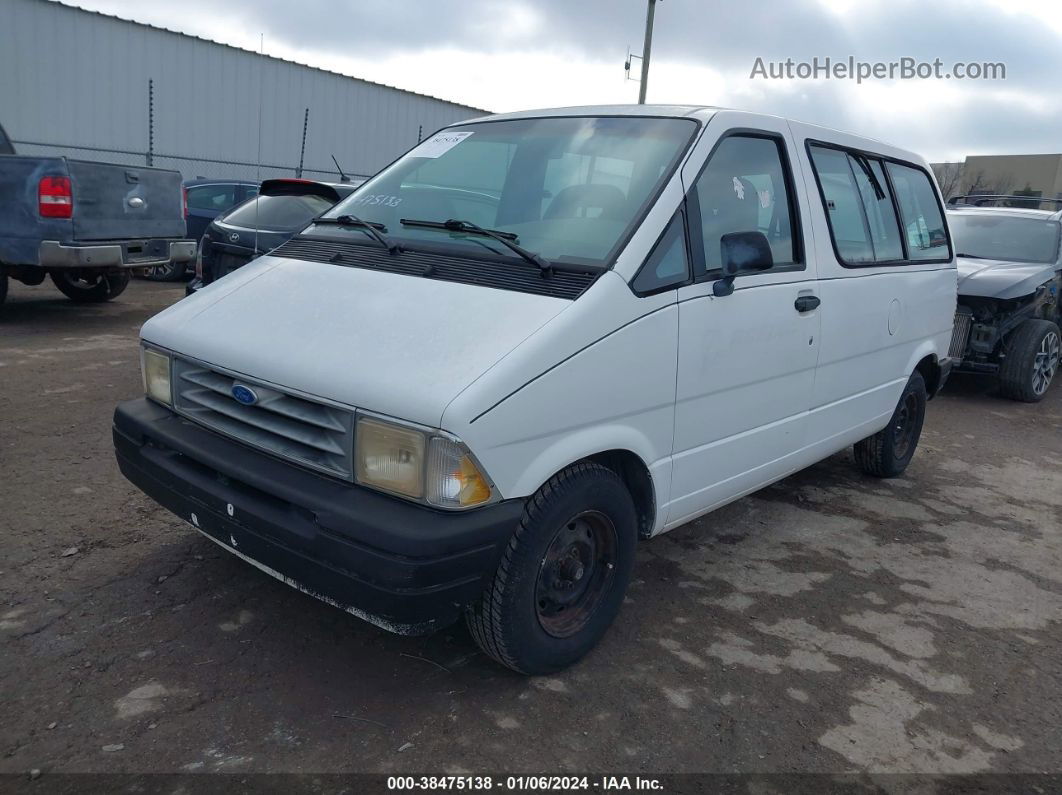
x=439 y=144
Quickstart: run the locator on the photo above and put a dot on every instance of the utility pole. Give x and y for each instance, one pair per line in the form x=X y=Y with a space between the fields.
x=646 y=51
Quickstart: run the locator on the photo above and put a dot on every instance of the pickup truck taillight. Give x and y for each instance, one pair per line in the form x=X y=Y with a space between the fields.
x=54 y=197
x=184 y=201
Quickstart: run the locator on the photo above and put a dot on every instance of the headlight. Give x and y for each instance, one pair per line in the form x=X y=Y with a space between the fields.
x=155 y=368
x=418 y=464
x=390 y=457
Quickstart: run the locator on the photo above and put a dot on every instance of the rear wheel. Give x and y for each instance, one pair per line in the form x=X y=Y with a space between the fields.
x=1031 y=361
x=170 y=272
x=90 y=287
x=563 y=575
x=887 y=453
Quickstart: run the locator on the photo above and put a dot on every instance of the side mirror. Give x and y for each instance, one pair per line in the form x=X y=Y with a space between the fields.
x=742 y=252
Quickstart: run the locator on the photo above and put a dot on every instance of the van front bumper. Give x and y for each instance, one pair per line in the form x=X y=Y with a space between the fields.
x=120 y=254
x=402 y=566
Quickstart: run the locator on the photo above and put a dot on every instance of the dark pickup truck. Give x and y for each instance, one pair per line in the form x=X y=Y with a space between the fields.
x=86 y=224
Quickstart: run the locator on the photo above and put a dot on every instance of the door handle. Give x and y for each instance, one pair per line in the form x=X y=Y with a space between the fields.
x=805 y=303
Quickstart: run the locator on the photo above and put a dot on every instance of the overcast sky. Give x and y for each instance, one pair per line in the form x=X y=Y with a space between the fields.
x=511 y=54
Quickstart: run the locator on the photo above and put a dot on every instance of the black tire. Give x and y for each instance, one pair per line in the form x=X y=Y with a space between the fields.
x=1030 y=361
x=520 y=620
x=887 y=453
x=170 y=272
x=3 y=287
x=90 y=287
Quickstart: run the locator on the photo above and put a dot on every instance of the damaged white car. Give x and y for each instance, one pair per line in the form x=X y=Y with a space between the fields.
x=1010 y=276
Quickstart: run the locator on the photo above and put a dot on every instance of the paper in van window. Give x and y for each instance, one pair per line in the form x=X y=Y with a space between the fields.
x=439 y=144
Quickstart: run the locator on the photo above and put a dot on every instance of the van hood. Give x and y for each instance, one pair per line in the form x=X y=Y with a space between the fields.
x=404 y=346
x=993 y=278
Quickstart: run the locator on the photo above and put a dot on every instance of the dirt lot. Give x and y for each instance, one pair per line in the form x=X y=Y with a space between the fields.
x=829 y=623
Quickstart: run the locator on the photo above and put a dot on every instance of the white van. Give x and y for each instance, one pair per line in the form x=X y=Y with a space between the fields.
x=469 y=388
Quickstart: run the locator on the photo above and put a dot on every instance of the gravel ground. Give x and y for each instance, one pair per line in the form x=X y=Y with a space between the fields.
x=830 y=623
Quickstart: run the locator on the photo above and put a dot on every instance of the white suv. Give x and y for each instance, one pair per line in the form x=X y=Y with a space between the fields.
x=470 y=387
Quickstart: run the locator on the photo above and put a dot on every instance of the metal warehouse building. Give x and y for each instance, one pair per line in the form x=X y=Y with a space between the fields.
x=88 y=85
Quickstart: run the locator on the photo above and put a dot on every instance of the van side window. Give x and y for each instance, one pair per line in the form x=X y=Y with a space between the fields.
x=667 y=264
x=860 y=208
x=878 y=208
x=923 y=223
x=844 y=205
x=745 y=187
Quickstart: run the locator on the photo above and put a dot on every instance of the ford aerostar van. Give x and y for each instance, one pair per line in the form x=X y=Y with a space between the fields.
x=468 y=389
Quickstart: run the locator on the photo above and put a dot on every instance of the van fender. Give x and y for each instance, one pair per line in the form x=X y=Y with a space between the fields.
x=926 y=348
x=570 y=447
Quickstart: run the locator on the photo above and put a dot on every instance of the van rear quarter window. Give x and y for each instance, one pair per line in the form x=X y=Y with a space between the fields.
x=923 y=222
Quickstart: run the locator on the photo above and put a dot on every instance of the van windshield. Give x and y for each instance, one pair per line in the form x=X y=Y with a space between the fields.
x=569 y=189
x=998 y=237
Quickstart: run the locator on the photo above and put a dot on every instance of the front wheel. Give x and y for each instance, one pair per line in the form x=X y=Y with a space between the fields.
x=563 y=575
x=90 y=287
x=1031 y=361
x=887 y=453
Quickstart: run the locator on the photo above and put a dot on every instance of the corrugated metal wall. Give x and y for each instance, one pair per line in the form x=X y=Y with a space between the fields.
x=74 y=82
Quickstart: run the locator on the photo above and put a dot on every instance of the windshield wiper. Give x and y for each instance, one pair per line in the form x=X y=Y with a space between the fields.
x=505 y=238
x=372 y=228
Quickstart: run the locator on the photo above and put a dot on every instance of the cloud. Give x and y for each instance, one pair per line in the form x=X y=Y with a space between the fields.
x=511 y=54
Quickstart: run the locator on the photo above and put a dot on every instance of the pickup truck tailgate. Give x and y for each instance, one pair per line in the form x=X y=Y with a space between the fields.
x=113 y=202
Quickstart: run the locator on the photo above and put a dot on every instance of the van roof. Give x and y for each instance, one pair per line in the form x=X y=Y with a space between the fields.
x=702 y=113
x=678 y=111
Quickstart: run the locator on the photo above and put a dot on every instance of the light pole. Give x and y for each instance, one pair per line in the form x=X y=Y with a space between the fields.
x=646 y=48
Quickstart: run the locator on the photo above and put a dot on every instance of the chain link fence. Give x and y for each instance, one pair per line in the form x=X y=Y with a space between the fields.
x=190 y=167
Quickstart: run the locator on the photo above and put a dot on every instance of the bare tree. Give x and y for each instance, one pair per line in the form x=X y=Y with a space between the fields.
x=949 y=178
x=996 y=185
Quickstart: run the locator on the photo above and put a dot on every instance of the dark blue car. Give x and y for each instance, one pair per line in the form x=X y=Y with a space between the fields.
x=205 y=199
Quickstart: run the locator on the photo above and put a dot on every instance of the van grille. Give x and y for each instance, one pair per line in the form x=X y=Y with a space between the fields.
x=961 y=335
x=304 y=431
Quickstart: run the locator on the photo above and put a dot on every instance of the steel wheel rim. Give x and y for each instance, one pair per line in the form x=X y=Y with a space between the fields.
x=1046 y=362
x=904 y=426
x=575 y=573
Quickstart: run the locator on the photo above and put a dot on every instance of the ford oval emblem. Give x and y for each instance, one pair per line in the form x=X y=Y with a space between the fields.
x=244 y=394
